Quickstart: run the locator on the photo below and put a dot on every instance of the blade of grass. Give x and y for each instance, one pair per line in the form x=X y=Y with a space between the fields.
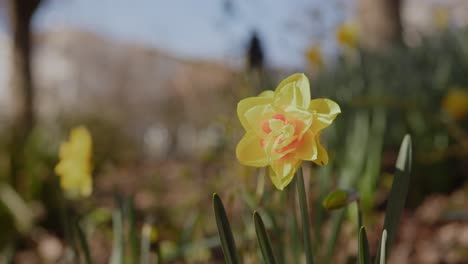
x=83 y=242
x=225 y=234
x=398 y=193
x=359 y=215
x=304 y=216
x=118 y=242
x=383 y=257
x=17 y=207
x=132 y=230
x=325 y=179
x=293 y=226
x=336 y=228
x=363 y=255
x=263 y=240
x=145 y=248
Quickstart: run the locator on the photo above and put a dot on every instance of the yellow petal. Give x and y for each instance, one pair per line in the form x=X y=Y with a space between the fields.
x=307 y=149
x=293 y=92
x=249 y=151
x=305 y=119
x=314 y=56
x=78 y=146
x=256 y=116
x=267 y=93
x=322 y=155
x=325 y=112
x=282 y=171
x=247 y=104
x=75 y=166
x=455 y=103
x=347 y=35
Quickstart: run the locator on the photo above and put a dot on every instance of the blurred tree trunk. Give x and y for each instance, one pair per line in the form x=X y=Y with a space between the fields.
x=20 y=14
x=380 y=23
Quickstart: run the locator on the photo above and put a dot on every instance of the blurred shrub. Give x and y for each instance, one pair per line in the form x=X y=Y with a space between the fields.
x=406 y=90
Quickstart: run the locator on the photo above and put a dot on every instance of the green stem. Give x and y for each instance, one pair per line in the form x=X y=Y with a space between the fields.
x=304 y=216
x=65 y=216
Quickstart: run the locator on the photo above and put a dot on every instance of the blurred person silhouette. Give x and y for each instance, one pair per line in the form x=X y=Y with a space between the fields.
x=255 y=53
x=255 y=60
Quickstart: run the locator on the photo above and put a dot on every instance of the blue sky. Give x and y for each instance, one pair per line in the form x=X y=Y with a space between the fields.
x=204 y=28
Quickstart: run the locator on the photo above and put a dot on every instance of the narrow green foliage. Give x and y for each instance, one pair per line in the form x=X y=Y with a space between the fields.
x=363 y=254
x=145 y=248
x=132 y=230
x=263 y=240
x=337 y=221
x=117 y=256
x=383 y=257
x=225 y=234
x=325 y=180
x=293 y=228
x=83 y=242
x=399 y=191
x=304 y=216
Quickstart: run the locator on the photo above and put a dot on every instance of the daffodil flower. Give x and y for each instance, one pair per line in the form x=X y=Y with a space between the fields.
x=441 y=17
x=347 y=35
x=314 y=57
x=455 y=103
x=75 y=166
x=283 y=128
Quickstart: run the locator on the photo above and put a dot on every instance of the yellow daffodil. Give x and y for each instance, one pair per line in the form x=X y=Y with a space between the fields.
x=283 y=128
x=314 y=56
x=75 y=166
x=455 y=103
x=150 y=232
x=441 y=17
x=347 y=35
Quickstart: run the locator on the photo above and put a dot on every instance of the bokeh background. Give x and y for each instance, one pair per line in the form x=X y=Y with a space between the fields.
x=157 y=84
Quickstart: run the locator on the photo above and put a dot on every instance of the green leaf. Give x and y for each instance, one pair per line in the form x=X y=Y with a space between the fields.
x=118 y=240
x=83 y=243
x=383 y=257
x=132 y=229
x=145 y=244
x=399 y=191
x=225 y=234
x=324 y=182
x=304 y=216
x=364 y=256
x=293 y=232
x=337 y=222
x=17 y=207
x=263 y=240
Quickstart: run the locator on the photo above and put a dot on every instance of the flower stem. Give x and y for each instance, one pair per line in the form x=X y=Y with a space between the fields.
x=304 y=216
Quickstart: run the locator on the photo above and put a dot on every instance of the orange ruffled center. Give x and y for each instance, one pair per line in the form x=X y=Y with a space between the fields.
x=282 y=136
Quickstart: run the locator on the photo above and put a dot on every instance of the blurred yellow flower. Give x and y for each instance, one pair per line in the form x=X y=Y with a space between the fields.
x=314 y=56
x=75 y=165
x=347 y=35
x=441 y=17
x=455 y=103
x=283 y=128
x=150 y=232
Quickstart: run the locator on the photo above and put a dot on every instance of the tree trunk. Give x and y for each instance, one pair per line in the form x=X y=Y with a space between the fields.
x=380 y=23
x=21 y=12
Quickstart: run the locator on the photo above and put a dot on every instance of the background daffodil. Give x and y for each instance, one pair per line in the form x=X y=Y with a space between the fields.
x=455 y=103
x=347 y=35
x=283 y=128
x=314 y=57
x=75 y=166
